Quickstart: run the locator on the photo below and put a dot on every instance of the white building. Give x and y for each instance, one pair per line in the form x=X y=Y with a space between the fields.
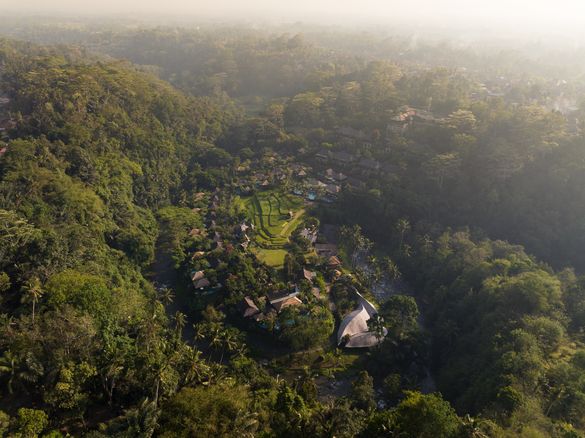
x=354 y=327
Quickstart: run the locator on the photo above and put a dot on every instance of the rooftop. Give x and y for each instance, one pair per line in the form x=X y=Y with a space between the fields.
x=197 y=276
x=354 y=327
x=334 y=261
x=287 y=302
x=201 y=284
x=326 y=249
x=343 y=157
x=368 y=163
x=275 y=297
x=309 y=275
x=249 y=308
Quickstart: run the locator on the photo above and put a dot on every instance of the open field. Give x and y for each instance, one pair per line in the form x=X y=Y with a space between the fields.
x=272 y=257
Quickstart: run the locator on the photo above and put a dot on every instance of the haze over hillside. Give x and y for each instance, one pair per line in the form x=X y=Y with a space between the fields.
x=564 y=17
x=292 y=219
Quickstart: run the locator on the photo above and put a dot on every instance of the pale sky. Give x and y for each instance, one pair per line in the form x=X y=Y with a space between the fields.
x=526 y=14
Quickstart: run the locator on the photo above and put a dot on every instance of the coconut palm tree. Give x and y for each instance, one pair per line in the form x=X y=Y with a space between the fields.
x=166 y=295
x=143 y=418
x=216 y=339
x=391 y=268
x=8 y=365
x=197 y=370
x=402 y=226
x=199 y=333
x=180 y=321
x=376 y=325
x=32 y=294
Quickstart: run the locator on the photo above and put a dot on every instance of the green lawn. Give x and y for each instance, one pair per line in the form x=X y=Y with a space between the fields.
x=272 y=257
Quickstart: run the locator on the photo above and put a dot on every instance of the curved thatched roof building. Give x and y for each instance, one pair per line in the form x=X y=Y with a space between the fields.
x=354 y=326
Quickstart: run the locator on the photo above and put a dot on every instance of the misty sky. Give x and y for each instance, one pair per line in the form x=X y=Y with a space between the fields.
x=545 y=15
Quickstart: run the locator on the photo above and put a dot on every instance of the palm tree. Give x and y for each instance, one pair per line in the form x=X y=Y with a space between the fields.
x=32 y=294
x=200 y=331
x=407 y=250
x=159 y=371
x=391 y=269
x=215 y=336
x=166 y=295
x=8 y=366
x=472 y=427
x=376 y=325
x=197 y=369
x=241 y=349
x=426 y=242
x=227 y=342
x=109 y=375
x=402 y=226
x=180 y=321
x=245 y=424
x=143 y=418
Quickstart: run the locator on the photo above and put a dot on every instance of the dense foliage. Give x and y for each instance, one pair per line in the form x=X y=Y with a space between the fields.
x=127 y=250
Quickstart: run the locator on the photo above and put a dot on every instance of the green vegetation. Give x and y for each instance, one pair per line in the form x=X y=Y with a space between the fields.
x=134 y=300
x=272 y=257
x=270 y=211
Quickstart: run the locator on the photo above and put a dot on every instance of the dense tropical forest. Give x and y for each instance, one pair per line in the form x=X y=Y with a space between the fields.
x=226 y=231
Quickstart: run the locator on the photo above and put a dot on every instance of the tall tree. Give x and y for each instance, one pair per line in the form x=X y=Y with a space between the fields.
x=33 y=292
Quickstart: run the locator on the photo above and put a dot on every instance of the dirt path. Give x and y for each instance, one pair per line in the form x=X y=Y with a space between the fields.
x=287 y=225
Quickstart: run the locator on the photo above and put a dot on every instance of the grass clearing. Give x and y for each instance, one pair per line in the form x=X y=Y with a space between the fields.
x=272 y=257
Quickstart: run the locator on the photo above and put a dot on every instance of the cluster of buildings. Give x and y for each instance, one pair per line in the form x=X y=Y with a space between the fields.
x=271 y=304
x=202 y=283
x=408 y=116
x=353 y=332
x=266 y=173
x=346 y=170
x=263 y=311
x=275 y=302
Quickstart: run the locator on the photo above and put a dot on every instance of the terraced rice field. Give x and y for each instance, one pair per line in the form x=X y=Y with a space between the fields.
x=269 y=211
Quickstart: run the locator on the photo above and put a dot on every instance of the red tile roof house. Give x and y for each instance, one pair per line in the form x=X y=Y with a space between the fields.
x=249 y=308
x=196 y=232
x=281 y=300
x=309 y=275
x=326 y=249
x=201 y=284
x=333 y=262
x=199 y=280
